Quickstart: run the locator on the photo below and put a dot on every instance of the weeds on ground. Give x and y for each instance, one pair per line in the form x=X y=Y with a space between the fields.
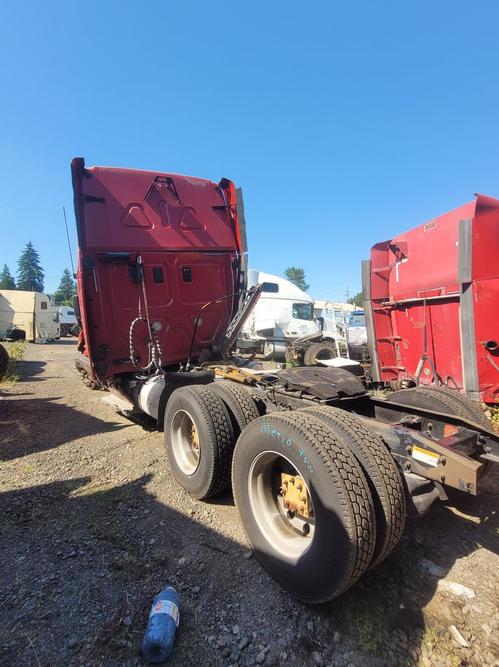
x=430 y=638
x=495 y=418
x=373 y=635
x=16 y=352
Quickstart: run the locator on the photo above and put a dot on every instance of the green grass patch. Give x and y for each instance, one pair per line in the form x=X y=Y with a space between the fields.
x=16 y=352
x=430 y=638
x=495 y=418
x=373 y=633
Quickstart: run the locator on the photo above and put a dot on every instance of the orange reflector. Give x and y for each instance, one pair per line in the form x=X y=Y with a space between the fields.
x=450 y=429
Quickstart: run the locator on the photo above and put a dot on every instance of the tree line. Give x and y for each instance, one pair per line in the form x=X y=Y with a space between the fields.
x=31 y=276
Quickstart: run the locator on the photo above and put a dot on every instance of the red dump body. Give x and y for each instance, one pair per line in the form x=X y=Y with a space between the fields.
x=187 y=232
x=432 y=302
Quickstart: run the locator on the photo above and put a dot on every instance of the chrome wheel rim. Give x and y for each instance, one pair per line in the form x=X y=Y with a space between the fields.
x=289 y=533
x=185 y=442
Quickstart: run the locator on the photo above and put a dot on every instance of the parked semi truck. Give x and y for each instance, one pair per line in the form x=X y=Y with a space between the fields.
x=282 y=325
x=356 y=336
x=67 y=319
x=323 y=469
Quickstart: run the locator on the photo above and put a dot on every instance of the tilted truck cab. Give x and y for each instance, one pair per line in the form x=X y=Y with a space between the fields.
x=154 y=248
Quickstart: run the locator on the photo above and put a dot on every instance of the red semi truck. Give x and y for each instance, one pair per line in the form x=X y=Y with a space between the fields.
x=323 y=469
x=432 y=303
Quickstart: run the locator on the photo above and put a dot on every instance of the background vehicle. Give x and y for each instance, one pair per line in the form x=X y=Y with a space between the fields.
x=4 y=361
x=322 y=468
x=67 y=319
x=9 y=331
x=30 y=312
x=356 y=336
x=333 y=317
x=432 y=303
x=283 y=325
x=283 y=313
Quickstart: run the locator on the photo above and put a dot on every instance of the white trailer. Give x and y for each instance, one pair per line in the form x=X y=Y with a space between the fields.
x=32 y=312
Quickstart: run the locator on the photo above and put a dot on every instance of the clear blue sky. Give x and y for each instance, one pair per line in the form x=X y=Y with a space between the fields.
x=344 y=123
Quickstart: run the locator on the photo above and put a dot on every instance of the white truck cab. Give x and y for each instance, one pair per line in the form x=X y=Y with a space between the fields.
x=283 y=313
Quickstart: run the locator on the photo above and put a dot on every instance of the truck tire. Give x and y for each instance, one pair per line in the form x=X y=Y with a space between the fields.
x=199 y=440
x=381 y=472
x=318 y=351
x=17 y=334
x=83 y=368
x=443 y=400
x=238 y=401
x=75 y=330
x=466 y=407
x=4 y=361
x=315 y=556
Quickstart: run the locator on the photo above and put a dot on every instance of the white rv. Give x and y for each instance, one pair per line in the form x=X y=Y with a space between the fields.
x=32 y=312
x=283 y=313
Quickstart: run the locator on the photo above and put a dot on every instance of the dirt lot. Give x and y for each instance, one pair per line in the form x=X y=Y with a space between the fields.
x=93 y=525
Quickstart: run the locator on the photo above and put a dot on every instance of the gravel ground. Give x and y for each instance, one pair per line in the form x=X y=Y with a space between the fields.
x=93 y=525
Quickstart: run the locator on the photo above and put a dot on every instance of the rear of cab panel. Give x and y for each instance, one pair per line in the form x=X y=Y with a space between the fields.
x=185 y=231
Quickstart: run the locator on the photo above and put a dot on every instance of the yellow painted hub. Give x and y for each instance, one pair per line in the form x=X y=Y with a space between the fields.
x=295 y=495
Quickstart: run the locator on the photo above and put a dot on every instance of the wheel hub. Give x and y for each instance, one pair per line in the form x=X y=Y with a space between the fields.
x=281 y=504
x=294 y=495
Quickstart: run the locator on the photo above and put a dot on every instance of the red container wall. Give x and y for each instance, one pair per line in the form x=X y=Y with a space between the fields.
x=416 y=284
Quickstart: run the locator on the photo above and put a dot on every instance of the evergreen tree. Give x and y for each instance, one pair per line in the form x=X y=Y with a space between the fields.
x=6 y=280
x=66 y=289
x=29 y=272
x=297 y=277
x=357 y=300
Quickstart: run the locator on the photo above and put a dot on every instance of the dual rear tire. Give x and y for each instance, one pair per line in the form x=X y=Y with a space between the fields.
x=443 y=399
x=320 y=497
x=353 y=486
x=202 y=424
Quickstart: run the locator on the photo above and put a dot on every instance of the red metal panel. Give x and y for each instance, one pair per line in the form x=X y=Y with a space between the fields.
x=185 y=228
x=486 y=298
x=431 y=262
x=123 y=208
x=438 y=323
x=485 y=264
x=415 y=291
x=485 y=273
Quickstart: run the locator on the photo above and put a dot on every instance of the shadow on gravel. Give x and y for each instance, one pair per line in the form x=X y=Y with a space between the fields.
x=37 y=424
x=83 y=564
x=29 y=370
x=392 y=607
x=84 y=561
